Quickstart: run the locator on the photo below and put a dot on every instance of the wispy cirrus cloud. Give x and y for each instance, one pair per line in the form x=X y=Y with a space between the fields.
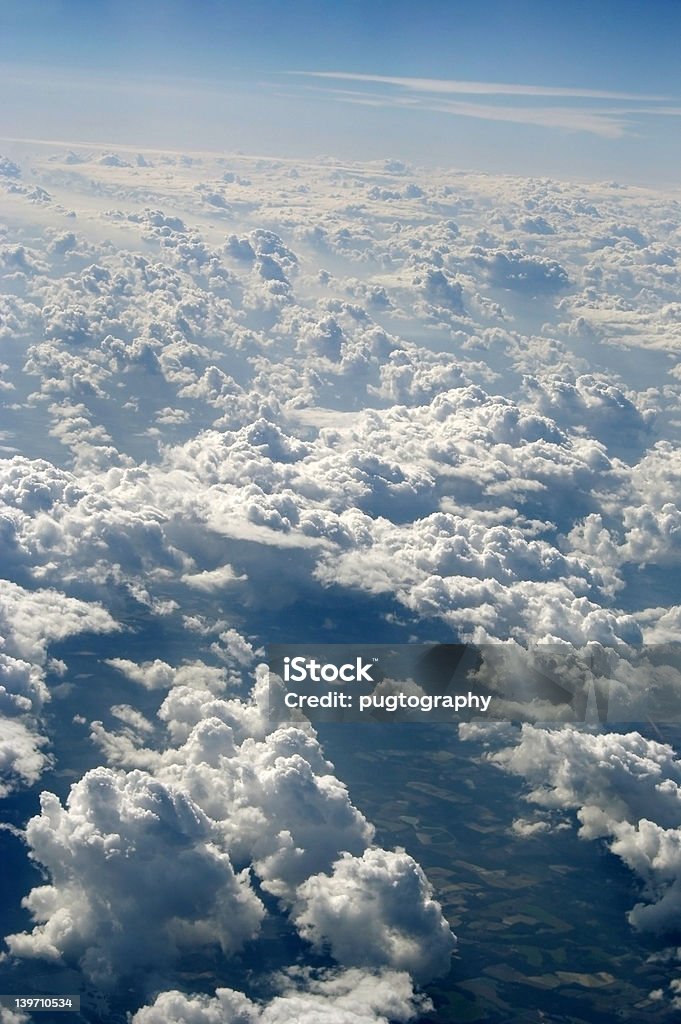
x=447 y=85
x=434 y=94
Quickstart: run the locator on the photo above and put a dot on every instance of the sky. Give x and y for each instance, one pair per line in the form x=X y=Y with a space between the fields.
x=574 y=90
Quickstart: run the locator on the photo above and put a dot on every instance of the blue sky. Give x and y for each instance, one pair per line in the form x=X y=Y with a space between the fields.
x=578 y=89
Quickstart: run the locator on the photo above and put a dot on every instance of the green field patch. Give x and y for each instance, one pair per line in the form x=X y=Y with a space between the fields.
x=500 y=879
x=531 y=954
x=452 y=797
x=597 y=980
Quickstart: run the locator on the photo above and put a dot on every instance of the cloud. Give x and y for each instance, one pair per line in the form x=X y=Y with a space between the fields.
x=136 y=878
x=519 y=272
x=212 y=579
x=332 y=997
x=159 y=675
x=179 y=318
x=444 y=85
x=625 y=790
x=29 y=622
x=8 y=169
x=233 y=791
x=377 y=910
x=527 y=829
x=13 y=1017
x=281 y=812
x=601 y=407
x=275 y=799
x=21 y=758
x=440 y=398
x=610 y=119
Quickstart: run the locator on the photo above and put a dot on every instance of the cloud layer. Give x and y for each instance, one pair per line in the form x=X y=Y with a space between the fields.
x=243 y=396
